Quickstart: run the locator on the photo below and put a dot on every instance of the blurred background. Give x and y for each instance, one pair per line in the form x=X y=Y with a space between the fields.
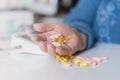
x=17 y=14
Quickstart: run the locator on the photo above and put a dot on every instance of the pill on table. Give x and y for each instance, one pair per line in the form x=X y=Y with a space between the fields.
x=94 y=64
x=103 y=58
x=67 y=64
x=84 y=64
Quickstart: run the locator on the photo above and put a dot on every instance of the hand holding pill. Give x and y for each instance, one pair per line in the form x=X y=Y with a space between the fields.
x=70 y=40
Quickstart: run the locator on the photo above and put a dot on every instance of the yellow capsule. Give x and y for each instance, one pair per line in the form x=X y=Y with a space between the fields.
x=67 y=57
x=62 y=57
x=72 y=60
x=77 y=62
x=71 y=57
x=84 y=64
x=57 y=57
x=61 y=39
x=62 y=62
x=66 y=60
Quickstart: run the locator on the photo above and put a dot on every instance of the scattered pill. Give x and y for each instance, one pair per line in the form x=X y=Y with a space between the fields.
x=69 y=60
x=84 y=64
x=67 y=65
x=77 y=62
x=98 y=60
x=94 y=64
x=103 y=58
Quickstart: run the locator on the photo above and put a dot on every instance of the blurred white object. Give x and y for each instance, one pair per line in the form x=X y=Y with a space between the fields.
x=51 y=19
x=46 y=7
x=11 y=20
x=13 y=4
x=25 y=45
x=21 y=41
x=3 y=4
x=4 y=45
x=17 y=4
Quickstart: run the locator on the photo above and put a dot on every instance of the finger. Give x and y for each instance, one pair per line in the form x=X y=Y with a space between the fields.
x=39 y=37
x=43 y=46
x=36 y=38
x=63 y=50
x=51 y=49
x=44 y=27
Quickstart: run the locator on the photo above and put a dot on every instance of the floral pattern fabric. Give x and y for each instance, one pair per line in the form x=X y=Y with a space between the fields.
x=106 y=19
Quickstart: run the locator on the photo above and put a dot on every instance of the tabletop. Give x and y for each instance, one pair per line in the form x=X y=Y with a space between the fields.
x=35 y=67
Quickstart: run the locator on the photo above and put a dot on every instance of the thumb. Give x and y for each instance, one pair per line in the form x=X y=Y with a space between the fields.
x=44 y=27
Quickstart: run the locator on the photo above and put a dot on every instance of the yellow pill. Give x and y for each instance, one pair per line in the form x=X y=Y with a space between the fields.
x=61 y=39
x=62 y=57
x=84 y=64
x=57 y=57
x=62 y=62
x=77 y=62
x=72 y=59
x=67 y=57
x=66 y=60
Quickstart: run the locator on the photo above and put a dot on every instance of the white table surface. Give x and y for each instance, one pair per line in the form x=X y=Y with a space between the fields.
x=34 y=67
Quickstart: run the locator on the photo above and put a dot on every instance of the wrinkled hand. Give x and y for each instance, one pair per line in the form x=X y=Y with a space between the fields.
x=76 y=43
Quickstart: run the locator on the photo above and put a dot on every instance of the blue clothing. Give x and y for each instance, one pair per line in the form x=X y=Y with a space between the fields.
x=98 y=19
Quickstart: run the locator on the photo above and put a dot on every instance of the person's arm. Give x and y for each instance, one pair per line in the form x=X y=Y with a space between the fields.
x=82 y=18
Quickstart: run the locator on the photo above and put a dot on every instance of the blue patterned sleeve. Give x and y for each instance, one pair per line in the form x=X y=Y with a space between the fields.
x=82 y=17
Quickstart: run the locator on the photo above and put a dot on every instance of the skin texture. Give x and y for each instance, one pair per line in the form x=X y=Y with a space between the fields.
x=76 y=43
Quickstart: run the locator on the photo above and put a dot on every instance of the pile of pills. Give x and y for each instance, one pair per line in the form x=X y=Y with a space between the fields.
x=68 y=60
x=64 y=59
x=80 y=61
x=58 y=39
